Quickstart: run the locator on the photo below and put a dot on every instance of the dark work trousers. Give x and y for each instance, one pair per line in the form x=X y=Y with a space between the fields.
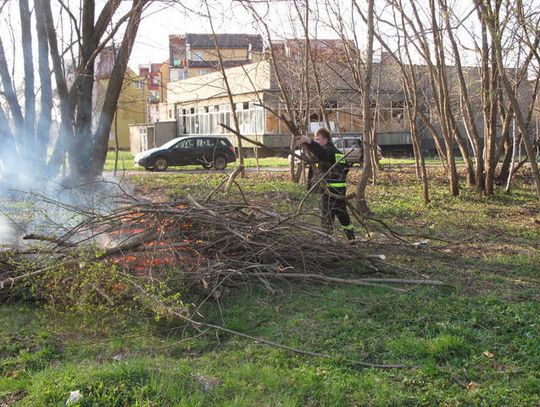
x=332 y=207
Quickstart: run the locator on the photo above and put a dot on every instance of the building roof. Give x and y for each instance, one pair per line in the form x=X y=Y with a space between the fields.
x=243 y=79
x=336 y=81
x=225 y=41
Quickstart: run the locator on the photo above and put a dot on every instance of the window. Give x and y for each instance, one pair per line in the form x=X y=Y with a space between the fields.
x=205 y=142
x=188 y=143
x=197 y=56
x=180 y=144
x=177 y=74
x=138 y=84
x=330 y=104
x=314 y=117
x=202 y=71
x=397 y=110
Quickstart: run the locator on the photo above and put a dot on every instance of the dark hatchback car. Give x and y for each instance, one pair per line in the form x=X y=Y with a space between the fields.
x=208 y=151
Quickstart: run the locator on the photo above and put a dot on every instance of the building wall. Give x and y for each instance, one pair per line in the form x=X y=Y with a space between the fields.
x=265 y=126
x=150 y=135
x=161 y=112
x=135 y=138
x=187 y=50
x=130 y=107
x=206 y=96
x=165 y=74
x=347 y=118
x=228 y=54
x=240 y=55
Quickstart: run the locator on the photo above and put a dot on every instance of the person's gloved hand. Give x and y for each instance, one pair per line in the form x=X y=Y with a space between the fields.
x=302 y=140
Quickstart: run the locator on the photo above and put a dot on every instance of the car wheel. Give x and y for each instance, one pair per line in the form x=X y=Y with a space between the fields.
x=160 y=164
x=220 y=163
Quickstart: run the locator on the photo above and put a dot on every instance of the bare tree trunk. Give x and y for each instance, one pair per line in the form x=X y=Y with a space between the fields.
x=505 y=172
x=491 y=128
x=507 y=161
x=80 y=147
x=361 y=201
x=229 y=93
x=9 y=91
x=46 y=100
x=66 y=113
x=443 y=102
x=285 y=93
x=8 y=150
x=114 y=87
x=511 y=93
x=466 y=108
x=29 y=83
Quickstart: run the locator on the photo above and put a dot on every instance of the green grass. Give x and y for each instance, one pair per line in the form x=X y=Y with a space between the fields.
x=444 y=339
x=125 y=162
x=473 y=343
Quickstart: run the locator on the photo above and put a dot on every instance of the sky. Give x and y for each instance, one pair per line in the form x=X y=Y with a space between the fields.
x=166 y=17
x=152 y=43
x=228 y=17
x=163 y=18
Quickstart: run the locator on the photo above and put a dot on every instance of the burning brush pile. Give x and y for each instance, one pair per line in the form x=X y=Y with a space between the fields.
x=184 y=245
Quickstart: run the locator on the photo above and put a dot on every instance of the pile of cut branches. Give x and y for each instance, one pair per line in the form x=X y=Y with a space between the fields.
x=207 y=244
x=215 y=240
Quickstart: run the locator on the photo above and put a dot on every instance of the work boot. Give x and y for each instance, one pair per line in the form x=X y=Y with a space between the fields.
x=350 y=235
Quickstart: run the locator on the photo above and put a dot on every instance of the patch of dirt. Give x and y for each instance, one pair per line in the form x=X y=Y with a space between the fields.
x=12 y=398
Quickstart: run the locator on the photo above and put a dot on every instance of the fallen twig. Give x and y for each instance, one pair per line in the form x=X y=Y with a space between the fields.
x=56 y=241
x=182 y=315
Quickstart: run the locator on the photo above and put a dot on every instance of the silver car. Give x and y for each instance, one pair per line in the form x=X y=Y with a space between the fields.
x=352 y=147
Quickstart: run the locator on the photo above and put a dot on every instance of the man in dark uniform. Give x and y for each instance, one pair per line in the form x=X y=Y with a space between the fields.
x=333 y=169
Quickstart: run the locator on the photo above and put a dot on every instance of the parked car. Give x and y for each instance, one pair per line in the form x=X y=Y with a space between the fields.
x=352 y=147
x=208 y=151
x=349 y=145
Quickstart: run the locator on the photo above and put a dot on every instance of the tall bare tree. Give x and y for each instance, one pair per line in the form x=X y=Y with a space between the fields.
x=85 y=147
x=360 y=198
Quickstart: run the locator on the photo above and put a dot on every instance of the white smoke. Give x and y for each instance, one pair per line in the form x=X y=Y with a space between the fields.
x=10 y=234
x=53 y=208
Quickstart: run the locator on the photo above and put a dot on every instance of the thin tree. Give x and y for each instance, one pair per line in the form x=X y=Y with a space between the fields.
x=360 y=198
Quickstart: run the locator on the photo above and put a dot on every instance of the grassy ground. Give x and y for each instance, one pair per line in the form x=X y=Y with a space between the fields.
x=474 y=342
x=125 y=162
